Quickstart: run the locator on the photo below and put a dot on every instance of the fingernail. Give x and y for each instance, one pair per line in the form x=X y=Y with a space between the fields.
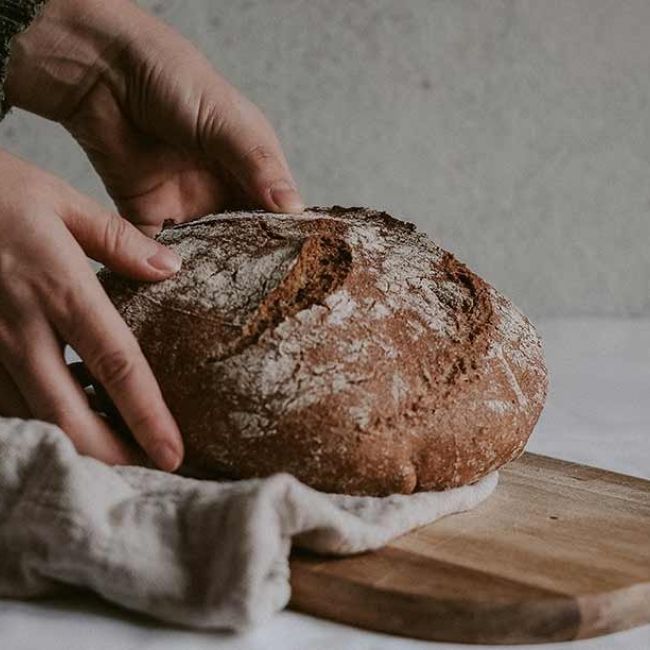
x=165 y=259
x=285 y=197
x=166 y=457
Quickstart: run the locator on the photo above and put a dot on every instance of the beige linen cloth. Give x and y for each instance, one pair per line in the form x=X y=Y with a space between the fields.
x=200 y=553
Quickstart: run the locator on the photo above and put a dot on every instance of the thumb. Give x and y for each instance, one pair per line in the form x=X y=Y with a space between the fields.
x=108 y=238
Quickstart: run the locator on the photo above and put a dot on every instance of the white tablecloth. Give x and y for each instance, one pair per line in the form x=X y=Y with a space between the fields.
x=598 y=413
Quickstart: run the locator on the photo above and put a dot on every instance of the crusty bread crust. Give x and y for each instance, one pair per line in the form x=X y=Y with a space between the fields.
x=339 y=345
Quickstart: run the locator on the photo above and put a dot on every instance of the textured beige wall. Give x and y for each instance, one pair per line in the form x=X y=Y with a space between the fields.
x=516 y=133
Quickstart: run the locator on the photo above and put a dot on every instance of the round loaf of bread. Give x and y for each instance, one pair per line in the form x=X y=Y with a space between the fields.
x=339 y=345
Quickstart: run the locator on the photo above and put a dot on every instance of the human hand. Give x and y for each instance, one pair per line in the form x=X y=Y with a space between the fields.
x=50 y=296
x=169 y=136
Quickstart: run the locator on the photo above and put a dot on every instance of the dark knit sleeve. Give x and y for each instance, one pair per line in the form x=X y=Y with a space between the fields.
x=15 y=16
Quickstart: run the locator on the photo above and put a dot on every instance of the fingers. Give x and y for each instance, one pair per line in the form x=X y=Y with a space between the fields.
x=171 y=90
x=113 y=241
x=33 y=357
x=174 y=93
x=90 y=324
x=239 y=135
x=49 y=294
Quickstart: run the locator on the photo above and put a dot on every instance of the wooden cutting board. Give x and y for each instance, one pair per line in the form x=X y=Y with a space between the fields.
x=560 y=551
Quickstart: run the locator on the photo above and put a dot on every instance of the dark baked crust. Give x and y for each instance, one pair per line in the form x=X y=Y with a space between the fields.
x=341 y=346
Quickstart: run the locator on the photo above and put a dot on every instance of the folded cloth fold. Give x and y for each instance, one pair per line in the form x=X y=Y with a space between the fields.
x=209 y=554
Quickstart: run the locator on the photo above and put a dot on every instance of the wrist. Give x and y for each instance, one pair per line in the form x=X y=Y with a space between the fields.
x=64 y=51
x=15 y=16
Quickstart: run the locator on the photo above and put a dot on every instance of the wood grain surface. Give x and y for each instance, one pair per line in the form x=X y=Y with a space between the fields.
x=560 y=551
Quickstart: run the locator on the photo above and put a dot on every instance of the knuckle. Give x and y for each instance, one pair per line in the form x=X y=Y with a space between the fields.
x=116 y=233
x=210 y=122
x=14 y=348
x=63 y=306
x=260 y=155
x=113 y=367
x=262 y=166
x=144 y=423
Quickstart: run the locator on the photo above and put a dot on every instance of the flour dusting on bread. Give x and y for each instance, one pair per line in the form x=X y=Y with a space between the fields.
x=340 y=345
